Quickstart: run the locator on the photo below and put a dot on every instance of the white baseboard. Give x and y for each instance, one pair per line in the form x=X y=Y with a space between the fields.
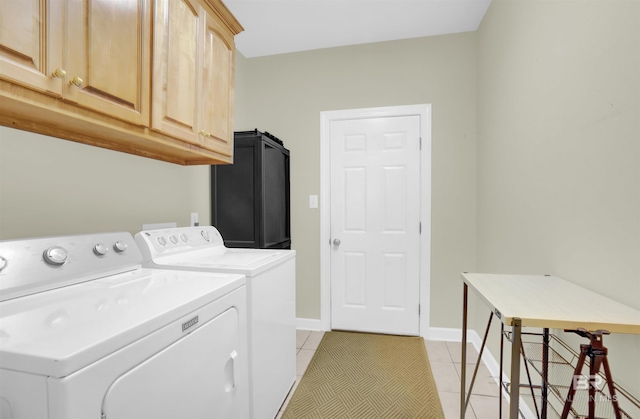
x=455 y=335
x=445 y=334
x=308 y=324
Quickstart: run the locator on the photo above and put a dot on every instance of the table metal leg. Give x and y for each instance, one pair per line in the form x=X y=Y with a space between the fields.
x=501 y=358
x=475 y=370
x=463 y=366
x=545 y=371
x=516 y=342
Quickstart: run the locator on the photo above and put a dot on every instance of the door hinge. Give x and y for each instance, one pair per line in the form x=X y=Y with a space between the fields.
x=420 y=227
x=418 y=309
x=420 y=143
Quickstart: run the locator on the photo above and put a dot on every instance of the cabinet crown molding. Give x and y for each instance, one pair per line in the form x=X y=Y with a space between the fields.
x=219 y=9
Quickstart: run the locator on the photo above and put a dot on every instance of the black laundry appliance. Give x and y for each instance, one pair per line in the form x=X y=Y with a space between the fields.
x=250 y=199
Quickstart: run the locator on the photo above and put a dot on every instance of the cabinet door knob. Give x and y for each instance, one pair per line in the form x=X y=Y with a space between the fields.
x=77 y=81
x=59 y=73
x=204 y=133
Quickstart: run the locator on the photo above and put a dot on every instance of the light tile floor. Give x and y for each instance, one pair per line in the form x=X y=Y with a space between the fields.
x=444 y=358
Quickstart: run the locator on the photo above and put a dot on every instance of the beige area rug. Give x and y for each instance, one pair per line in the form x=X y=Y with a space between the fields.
x=367 y=376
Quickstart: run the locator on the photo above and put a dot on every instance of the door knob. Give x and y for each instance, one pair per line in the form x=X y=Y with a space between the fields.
x=336 y=242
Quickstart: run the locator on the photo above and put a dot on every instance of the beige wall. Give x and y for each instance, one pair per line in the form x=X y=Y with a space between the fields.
x=286 y=95
x=559 y=150
x=50 y=186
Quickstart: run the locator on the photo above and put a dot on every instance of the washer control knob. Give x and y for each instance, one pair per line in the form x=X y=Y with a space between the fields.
x=162 y=241
x=173 y=239
x=100 y=249
x=119 y=246
x=3 y=263
x=55 y=255
x=184 y=238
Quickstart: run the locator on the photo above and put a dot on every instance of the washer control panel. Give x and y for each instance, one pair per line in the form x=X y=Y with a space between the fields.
x=176 y=240
x=34 y=265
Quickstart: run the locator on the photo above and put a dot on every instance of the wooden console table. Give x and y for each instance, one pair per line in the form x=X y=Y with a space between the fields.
x=540 y=301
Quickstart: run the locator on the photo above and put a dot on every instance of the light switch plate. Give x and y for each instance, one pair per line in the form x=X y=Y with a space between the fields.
x=313 y=201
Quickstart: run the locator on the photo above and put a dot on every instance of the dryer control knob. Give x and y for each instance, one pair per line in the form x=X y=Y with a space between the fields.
x=100 y=249
x=55 y=255
x=173 y=239
x=184 y=238
x=162 y=241
x=3 y=263
x=120 y=246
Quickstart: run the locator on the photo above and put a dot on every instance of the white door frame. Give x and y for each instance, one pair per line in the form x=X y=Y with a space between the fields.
x=424 y=112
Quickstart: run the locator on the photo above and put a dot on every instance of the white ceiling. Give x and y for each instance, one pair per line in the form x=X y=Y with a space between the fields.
x=282 y=26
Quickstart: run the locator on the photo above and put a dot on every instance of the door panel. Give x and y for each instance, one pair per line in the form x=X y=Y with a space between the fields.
x=105 y=79
x=176 y=72
x=31 y=43
x=395 y=274
x=217 y=88
x=354 y=199
x=395 y=193
x=354 y=279
x=108 y=57
x=375 y=214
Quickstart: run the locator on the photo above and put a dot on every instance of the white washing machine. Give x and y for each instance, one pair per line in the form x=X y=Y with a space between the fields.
x=86 y=332
x=270 y=295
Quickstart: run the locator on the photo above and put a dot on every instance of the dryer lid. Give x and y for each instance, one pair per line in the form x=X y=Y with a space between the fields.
x=57 y=332
x=249 y=262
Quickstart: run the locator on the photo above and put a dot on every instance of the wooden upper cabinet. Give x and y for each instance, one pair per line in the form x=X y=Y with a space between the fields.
x=31 y=44
x=152 y=78
x=108 y=59
x=193 y=75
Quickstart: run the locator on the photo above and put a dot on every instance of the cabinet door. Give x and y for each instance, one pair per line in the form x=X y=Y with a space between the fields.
x=176 y=70
x=108 y=57
x=217 y=87
x=31 y=44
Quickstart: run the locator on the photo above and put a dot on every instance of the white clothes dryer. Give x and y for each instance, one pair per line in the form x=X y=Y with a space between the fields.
x=86 y=332
x=270 y=295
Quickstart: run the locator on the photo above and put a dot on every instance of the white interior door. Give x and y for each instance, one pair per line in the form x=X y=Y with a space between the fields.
x=375 y=224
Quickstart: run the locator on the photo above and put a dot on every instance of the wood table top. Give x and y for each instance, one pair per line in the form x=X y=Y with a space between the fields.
x=551 y=302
